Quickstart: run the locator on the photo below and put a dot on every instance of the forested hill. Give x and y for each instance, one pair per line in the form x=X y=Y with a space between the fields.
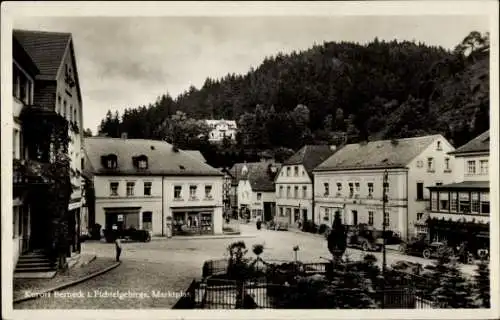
x=331 y=92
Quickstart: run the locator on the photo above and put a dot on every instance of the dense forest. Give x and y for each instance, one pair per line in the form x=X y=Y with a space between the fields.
x=333 y=93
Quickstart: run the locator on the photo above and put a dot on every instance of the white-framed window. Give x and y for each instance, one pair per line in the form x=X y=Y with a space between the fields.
x=447 y=164
x=147 y=188
x=464 y=202
x=370 y=189
x=208 y=191
x=453 y=202
x=296 y=171
x=471 y=167
x=370 y=218
x=142 y=164
x=357 y=187
x=439 y=147
x=288 y=171
x=444 y=201
x=430 y=164
x=304 y=192
x=177 y=192
x=113 y=188
x=22 y=85
x=475 y=206
x=130 y=188
x=281 y=212
x=434 y=201
x=192 y=192
x=485 y=203
x=339 y=186
x=483 y=166
x=281 y=191
x=259 y=196
x=326 y=187
x=296 y=192
x=288 y=192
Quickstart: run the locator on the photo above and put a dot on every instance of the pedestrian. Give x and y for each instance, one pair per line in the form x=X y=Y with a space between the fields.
x=118 y=246
x=258 y=223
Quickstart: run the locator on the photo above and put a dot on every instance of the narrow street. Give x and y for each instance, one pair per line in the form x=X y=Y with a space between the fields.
x=169 y=265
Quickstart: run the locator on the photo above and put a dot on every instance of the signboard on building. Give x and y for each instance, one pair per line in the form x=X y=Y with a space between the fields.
x=120 y=217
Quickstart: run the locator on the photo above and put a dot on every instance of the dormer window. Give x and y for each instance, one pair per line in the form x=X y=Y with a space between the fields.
x=109 y=161
x=439 y=148
x=140 y=162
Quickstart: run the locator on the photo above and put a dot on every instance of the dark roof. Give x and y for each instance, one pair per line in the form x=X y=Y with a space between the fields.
x=23 y=58
x=310 y=156
x=480 y=143
x=463 y=185
x=377 y=154
x=162 y=158
x=45 y=48
x=196 y=154
x=259 y=174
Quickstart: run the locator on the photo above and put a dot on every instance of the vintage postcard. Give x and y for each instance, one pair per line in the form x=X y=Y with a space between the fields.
x=317 y=160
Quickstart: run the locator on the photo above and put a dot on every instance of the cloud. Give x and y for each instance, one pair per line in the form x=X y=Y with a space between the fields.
x=125 y=62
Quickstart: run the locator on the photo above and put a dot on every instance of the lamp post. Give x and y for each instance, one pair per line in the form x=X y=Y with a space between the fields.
x=384 y=261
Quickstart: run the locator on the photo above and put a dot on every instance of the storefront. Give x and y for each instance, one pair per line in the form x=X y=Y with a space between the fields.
x=122 y=218
x=193 y=221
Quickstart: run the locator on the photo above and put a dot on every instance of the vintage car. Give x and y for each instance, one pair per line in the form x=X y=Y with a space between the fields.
x=129 y=234
x=422 y=247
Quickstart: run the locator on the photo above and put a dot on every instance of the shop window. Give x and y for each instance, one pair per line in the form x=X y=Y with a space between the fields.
x=147 y=220
x=113 y=187
x=475 y=207
x=130 y=188
x=464 y=202
x=453 y=202
x=444 y=203
x=485 y=207
x=147 y=188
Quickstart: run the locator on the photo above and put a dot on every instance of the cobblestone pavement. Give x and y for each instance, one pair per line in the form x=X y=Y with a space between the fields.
x=168 y=266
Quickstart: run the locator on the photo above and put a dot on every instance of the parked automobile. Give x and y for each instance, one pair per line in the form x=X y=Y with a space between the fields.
x=130 y=234
x=422 y=247
x=367 y=238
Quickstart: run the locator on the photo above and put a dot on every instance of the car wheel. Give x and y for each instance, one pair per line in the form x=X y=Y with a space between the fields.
x=426 y=254
x=365 y=246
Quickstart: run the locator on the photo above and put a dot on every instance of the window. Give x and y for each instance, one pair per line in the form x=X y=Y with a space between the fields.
x=447 y=164
x=304 y=192
x=370 y=218
x=351 y=189
x=420 y=191
x=420 y=215
x=475 y=207
x=281 y=192
x=483 y=166
x=208 y=192
x=288 y=192
x=327 y=188
x=439 y=148
x=192 y=192
x=113 y=187
x=177 y=192
x=259 y=196
x=430 y=164
x=357 y=187
x=434 y=204
x=296 y=192
x=471 y=167
x=453 y=202
x=147 y=188
x=281 y=212
x=130 y=188
x=444 y=203
x=288 y=170
x=463 y=202
x=370 y=189
x=386 y=218
x=147 y=220
x=142 y=164
x=339 y=186
x=485 y=207
x=296 y=171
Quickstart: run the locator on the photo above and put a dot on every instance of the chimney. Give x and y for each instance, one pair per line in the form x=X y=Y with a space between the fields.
x=124 y=135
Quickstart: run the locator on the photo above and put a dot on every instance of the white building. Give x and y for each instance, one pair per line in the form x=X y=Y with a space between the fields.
x=466 y=201
x=220 y=129
x=57 y=88
x=144 y=183
x=294 y=185
x=350 y=181
x=256 y=190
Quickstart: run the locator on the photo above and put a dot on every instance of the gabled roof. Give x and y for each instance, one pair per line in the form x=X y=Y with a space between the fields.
x=310 y=156
x=259 y=175
x=162 y=158
x=23 y=58
x=45 y=48
x=377 y=154
x=480 y=143
x=196 y=154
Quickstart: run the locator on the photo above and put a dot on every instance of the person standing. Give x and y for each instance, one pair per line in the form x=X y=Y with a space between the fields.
x=118 y=246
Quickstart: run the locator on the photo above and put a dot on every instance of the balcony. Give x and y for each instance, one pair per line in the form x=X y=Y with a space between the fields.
x=26 y=173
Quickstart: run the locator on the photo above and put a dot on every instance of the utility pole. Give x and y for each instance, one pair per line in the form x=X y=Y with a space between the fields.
x=384 y=261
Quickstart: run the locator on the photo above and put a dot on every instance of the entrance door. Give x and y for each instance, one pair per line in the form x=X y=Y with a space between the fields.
x=304 y=215
x=354 y=217
x=268 y=211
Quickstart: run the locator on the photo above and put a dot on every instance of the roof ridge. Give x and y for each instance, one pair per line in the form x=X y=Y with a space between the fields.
x=44 y=32
x=399 y=139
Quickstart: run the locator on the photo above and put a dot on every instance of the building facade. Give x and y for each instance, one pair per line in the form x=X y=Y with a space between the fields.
x=220 y=129
x=256 y=190
x=463 y=206
x=351 y=181
x=294 y=185
x=57 y=88
x=151 y=185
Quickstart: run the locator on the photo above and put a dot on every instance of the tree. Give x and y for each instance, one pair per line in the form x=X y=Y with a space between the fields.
x=337 y=238
x=87 y=133
x=454 y=291
x=482 y=289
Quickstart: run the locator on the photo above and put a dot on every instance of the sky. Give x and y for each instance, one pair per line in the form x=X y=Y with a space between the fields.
x=126 y=62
